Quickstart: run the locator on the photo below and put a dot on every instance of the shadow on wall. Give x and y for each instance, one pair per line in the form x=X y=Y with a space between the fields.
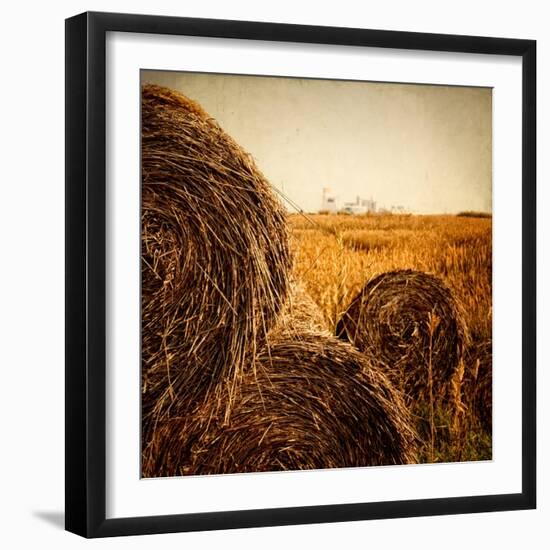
x=54 y=518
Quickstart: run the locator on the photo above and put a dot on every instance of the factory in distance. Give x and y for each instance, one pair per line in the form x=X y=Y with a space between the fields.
x=330 y=204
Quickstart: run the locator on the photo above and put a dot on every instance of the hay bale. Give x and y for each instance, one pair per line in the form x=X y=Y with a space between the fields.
x=408 y=320
x=215 y=256
x=313 y=402
x=300 y=314
x=477 y=388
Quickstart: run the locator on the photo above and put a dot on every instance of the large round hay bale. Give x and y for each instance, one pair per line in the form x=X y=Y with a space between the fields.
x=215 y=255
x=478 y=384
x=312 y=402
x=410 y=322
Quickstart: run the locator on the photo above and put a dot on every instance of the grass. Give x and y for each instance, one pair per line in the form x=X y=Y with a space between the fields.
x=335 y=256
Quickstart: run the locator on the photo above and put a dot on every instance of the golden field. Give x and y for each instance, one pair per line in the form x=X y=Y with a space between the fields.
x=335 y=255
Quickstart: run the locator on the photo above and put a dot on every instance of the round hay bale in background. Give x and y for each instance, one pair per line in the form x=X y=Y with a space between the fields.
x=408 y=320
x=215 y=256
x=312 y=402
x=478 y=384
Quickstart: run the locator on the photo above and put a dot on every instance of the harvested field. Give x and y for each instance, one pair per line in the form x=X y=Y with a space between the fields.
x=335 y=258
x=478 y=384
x=242 y=302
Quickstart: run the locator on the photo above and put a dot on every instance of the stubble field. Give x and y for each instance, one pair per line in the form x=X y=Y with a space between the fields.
x=335 y=255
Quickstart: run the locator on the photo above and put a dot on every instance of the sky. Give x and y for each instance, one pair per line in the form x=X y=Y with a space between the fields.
x=426 y=148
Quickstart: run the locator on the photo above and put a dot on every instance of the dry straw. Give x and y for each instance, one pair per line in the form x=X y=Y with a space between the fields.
x=478 y=383
x=410 y=322
x=300 y=313
x=215 y=258
x=311 y=402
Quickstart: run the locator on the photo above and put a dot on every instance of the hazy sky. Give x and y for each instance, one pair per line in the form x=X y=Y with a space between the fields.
x=427 y=148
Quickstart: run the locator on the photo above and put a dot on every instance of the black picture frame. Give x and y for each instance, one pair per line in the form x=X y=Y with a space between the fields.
x=86 y=284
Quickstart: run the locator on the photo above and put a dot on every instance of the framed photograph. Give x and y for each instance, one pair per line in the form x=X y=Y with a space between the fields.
x=300 y=281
